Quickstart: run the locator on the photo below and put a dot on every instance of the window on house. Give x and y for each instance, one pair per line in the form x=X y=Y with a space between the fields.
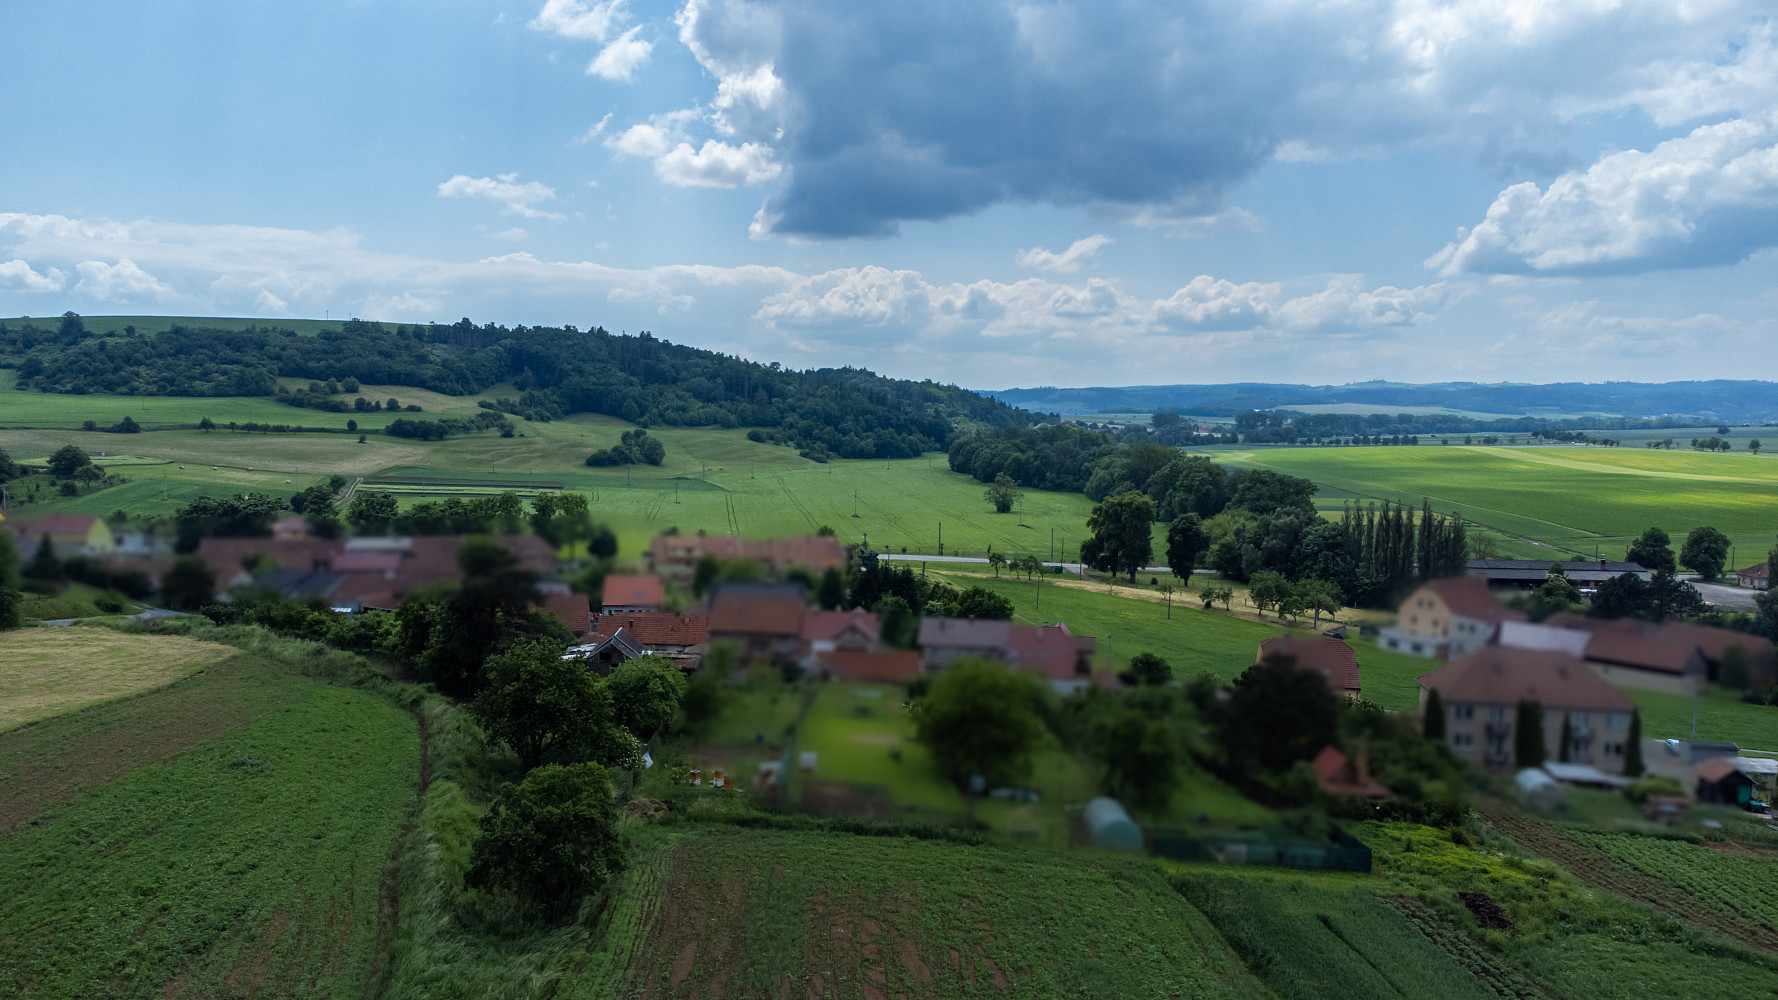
x=1614 y=751
x=1497 y=715
x=1617 y=720
x=1463 y=741
x=1463 y=713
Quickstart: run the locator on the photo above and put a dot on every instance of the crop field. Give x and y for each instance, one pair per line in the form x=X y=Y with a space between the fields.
x=250 y=863
x=765 y=914
x=1327 y=940
x=1576 y=500
x=1744 y=886
x=48 y=671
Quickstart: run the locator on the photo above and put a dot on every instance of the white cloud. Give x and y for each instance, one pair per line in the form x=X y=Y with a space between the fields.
x=119 y=282
x=18 y=274
x=622 y=57
x=1710 y=197
x=592 y=133
x=1207 y=303
x=1079 y=254
x=717 y=164
x=1346 y=305
x=515 y=234
x=579 y=20
x=267 y=302
x=518 y=199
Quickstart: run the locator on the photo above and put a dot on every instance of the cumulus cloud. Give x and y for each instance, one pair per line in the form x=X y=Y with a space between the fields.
x=1709 y=197
x=18 y=274
x=517 y=198
x=1345 y=304
x=717 y=164
x=1079 y=254
x=119 y=282
x=622 y=57
x=1151 y=112
x=579 y=20
x=267 y=302
x=1207 y=303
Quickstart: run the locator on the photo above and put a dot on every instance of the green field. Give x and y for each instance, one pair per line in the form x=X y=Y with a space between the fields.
x=249 y=864
x=864 y=737
x=1578 y=501
x=732 y=913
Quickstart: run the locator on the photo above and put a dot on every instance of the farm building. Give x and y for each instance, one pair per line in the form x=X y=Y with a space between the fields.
x=1054 y=651
x=1721 y=782
x=675 y=557
x=1650 y=656
x=826 y=631
x=1528 y=574
x=1756 y=577
x=1481 y=693
x=765 y=621
x=882 y=666
x=1447 y=618
x=606 y=652
x=570 y=609
x=631 y=592
x=1331 y=658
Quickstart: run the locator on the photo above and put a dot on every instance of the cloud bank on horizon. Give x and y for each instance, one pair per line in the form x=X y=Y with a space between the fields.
x=1065 y=192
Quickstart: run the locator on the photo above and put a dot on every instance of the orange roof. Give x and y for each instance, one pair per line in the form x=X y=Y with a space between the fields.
x=1052 y=650
x=814 y=551
x=1717 y=768
x=1470 y=597
x=889 y=666
x=573 y=611
x=655 y=628
x=632 y=590
x=57 y=525
x=1499 y=675
x=739 y=612
x=1331 y=658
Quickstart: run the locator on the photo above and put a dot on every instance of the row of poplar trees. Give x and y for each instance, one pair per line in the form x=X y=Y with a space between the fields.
x=1392 y=550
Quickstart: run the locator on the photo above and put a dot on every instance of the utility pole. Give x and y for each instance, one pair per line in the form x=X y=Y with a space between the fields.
x=854 y=503
x=675 y=492
x=1052 y=545
x=941 y=538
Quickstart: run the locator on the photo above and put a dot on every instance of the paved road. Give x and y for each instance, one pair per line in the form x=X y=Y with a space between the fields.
x=1725 y=597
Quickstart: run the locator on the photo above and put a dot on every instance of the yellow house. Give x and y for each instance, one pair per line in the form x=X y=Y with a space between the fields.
x=1447 y=618
x=70 y=534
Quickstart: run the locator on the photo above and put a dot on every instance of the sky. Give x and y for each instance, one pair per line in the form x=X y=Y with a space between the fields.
x=988 y=194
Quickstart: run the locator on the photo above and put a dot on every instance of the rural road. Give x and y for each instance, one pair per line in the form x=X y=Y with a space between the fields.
x=1076 y=568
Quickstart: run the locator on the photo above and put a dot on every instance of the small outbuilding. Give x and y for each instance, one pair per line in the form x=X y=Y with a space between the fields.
x=1110 y=827
x=1721 y=782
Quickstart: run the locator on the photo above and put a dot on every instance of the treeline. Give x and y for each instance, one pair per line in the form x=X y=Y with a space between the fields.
x=847 y=412
x=443 y=427
x=1373 y=555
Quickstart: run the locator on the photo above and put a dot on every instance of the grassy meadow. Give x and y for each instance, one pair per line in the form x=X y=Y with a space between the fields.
x=1575 y=500
x=48 y=671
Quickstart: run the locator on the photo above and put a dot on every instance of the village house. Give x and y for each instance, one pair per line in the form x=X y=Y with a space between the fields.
x=1652 y=656
x=631 y=592
x=68 y=535
x=1447 y=618
x=878 y=666
x=1053 y=651
x=675 y=557
x=570 y=609
x=678 y=637
x=1332 y=658
x=766 y=622
x=1756 y=577
x=1481 y=693
x=855 y=631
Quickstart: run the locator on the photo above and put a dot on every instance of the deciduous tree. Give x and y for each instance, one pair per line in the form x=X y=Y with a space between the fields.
x=1121 y=542
x=546 y=708
x=1003 y=493
x=1653 y=551
x=982 y=718
x=1705 y=550
x=1186 y=541
x=550 y=840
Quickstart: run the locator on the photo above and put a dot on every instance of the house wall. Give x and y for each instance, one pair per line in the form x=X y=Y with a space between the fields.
x=1601 y=738
x=1690 y=683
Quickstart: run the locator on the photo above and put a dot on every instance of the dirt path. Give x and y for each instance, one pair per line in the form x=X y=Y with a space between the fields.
x=1602 y=872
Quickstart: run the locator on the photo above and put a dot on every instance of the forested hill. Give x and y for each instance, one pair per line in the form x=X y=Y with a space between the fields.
x=1738 y=402
x=847 y=412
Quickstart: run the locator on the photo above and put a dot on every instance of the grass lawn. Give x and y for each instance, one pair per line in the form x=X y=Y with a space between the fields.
x=1722 y=715
x=859 y=730
x=248 y=865
x=48 y=671
x=1532 y=493
x=759 y=713
x=723 y=912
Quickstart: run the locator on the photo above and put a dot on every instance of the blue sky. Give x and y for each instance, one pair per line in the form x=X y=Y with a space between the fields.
x=993 y=194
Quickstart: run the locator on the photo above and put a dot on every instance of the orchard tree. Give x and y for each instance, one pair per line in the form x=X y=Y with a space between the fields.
x=1705 y=550
x=1319 y=596
x=1186 y=541
x=1147 y=669
x=1003 y=493
x=1121 y=542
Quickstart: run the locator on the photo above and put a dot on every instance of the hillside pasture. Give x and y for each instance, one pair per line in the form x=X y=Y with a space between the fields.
x=725 y=912
x=48 y=671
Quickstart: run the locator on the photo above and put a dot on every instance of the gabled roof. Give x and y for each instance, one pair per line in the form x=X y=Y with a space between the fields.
x=888 y=666
x=572 y=610
x=825 y=626
x=1331 y=658
x=1717 y=768
x=632 y=590
x=985 y=634
x=366 y=562
x=1644 y=649
x=738 y=611
x=57 y=525
x=1052 y=650
x=1497 y=675
x=1470 y=597
x=656 y=628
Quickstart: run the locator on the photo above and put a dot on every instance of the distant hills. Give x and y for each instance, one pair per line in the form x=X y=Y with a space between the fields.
x=1725 y=400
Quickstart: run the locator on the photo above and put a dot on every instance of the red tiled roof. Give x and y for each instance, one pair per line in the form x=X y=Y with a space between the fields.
x=57 y=525
x=814 y=551
x=733 y=613
x=573 y=611
x=656 y=628
x=1643 y=649
x=366 y=562
x=986 y=635
x=1470 y=597
x=1332 y=658
x=632 y=590
x=1499 y=675
x=1052 y=650
x=889 y=666
x=824 y=626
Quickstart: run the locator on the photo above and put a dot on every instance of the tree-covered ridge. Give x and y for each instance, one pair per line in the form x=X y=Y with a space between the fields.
x=847 y=412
